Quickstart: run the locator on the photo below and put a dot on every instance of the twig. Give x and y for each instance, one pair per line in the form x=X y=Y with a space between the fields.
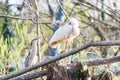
x=113 y=16
x=63 y=9
x=99 y=30
x=103 y=61
x=61 y=56
x=49 y=27
x=88 y=4
x=102 y=22
x=111 y=10
x=13 y=17
x=41 y=31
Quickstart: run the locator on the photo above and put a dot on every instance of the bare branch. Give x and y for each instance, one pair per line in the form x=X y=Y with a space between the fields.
x=88 y=4
x=63 y=55
x=102 y=22
x=111 y=15
x=30 y=76
x=63 y=9
x=13 y=17
x=103 y=61
x=88 y=63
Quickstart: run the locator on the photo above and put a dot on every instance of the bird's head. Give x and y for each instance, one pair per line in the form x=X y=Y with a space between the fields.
x=74 y=22
x=34 y=41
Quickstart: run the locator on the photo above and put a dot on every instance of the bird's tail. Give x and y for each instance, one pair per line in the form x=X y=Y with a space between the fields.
x=54 y=44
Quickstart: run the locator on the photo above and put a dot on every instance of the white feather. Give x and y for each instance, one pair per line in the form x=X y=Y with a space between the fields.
x=61 y=33
x=67 y=31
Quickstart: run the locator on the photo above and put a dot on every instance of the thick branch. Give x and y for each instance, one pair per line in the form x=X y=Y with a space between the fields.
x=63 y=55
x=30 y=76
x=88 y=63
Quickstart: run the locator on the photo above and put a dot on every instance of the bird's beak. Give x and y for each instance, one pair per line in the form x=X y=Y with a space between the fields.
x=35 y=39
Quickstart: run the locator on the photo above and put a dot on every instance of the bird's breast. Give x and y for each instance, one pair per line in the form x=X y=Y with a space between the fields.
x=76 y=31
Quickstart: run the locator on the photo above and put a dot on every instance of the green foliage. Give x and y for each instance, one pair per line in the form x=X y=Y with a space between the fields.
x=15 y=49
x=16 y=36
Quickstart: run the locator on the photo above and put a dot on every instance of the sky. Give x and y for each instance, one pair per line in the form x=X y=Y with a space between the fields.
x=108 y=2
x=44 y=6
x=13 y=1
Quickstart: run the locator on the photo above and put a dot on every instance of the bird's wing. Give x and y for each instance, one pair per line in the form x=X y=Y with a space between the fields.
x=61 y=35
x=29 y=59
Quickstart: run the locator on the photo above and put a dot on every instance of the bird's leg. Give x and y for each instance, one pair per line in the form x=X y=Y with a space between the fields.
x=70 y=57
x=71 y=44
x=66 y=44
x=63 y=61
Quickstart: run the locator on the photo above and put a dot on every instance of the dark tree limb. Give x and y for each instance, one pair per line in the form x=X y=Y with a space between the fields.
x=30 y=76
x=63 y=55
x=88 y=63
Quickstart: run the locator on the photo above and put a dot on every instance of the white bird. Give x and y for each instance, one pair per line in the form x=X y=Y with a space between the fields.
x=65 y=34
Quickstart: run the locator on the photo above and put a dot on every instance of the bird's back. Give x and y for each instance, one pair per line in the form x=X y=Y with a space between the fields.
x=60 y=35
x=30 y=59
x=66 y=33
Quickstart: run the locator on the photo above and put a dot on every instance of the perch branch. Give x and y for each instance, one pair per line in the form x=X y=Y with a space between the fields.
x=30 y=76
x=88 y=63
x=63 y=55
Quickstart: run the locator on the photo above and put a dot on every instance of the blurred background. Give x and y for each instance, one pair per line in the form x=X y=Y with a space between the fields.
x=22 y=20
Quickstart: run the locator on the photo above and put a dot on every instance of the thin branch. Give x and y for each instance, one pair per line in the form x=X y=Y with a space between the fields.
x=109 y=8
x=103 y=61
x=102 y=22
x=111 y=15
x=40 y=22
x=58 y=1
x=49 y=27
x=63 y=55
x=88 y=4
x=13 y=17
x=99 y=30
